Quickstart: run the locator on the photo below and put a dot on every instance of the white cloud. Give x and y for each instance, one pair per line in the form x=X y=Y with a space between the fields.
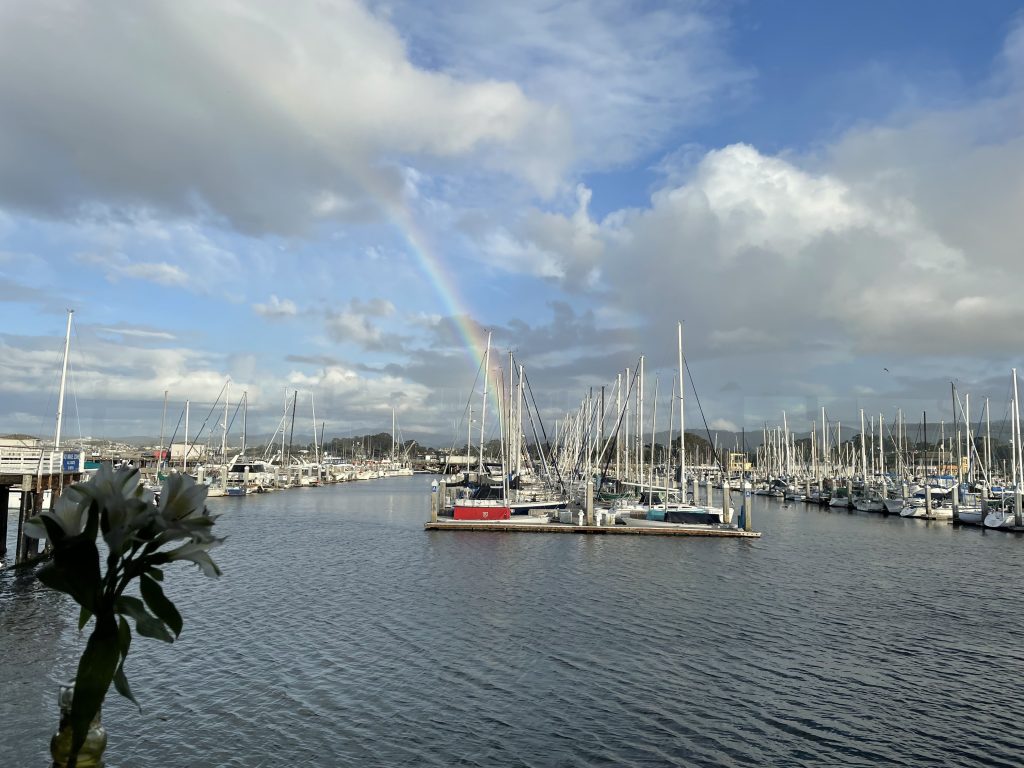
x=276 y=307
x=627 y=76
x=263 y=115
x=355 y=323
x=117 y=266
x=725 y=425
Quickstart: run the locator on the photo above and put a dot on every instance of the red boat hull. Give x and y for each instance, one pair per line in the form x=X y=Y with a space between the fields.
x=481 y=513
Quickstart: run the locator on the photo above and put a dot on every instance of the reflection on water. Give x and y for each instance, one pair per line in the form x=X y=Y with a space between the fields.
x=342 y=633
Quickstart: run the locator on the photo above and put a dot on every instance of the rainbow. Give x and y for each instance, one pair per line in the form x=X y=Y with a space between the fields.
x=473 y=337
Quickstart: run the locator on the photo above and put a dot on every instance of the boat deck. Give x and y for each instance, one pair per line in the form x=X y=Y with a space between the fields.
x=506 y=527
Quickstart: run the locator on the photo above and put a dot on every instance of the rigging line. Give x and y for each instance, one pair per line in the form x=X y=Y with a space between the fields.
x=51 y=401
x=192 y=444
x=618 y=424
x=714 y=452
x=544 y=434
x=465 y=415
x=74 y=389
x=174 y=434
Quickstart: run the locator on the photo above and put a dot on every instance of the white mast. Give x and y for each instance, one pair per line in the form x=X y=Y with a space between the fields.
x=63 y=382
x=785 y=437
x=483 y=409
x=163 y=418
x=654 y=423
x=863 y=450
x=224 y=429
x=245 y=411
x=519 y=424
x=640 y=428
x=1016 y=425
x=316 y=448
x=184 y=458
x=618 y=409
x=668 y=453
x=682 y=418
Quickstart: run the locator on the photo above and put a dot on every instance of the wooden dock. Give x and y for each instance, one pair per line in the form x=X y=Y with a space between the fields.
x=612 y=530
x=34 y=471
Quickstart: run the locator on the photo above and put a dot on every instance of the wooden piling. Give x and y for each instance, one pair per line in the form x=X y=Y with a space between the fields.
x=27 y=546
x=590 y=502
x=927 y=500
x=748 y=498
x=1017 y=507
x=955 y=496
x=5 y=500
x=726 y=515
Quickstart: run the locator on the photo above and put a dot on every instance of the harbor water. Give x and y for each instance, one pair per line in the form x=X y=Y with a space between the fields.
x=342 y=633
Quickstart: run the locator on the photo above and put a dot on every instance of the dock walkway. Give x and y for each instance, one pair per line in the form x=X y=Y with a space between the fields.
x=613 y=530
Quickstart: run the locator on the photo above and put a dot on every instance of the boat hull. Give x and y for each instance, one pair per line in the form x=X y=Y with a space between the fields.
x=465 y=512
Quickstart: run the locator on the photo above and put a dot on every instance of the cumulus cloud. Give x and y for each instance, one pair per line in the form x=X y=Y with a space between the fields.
x=276 y=307
x=245 y=111
x=760 y=252
x=358 y=323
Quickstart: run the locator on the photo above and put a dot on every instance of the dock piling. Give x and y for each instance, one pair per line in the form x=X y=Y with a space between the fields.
x=1017 y=507
x=726 y=513
x=590 y=502
x=928 y=501
x=5 y=500
x=748 y=498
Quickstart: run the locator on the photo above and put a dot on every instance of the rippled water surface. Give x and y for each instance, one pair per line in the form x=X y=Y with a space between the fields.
x=342 y=633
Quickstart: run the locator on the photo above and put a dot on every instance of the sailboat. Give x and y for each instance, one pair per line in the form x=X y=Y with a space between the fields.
x=679 y=514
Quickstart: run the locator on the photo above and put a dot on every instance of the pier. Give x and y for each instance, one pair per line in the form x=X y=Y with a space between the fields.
x=34 y=471
x=613 y=530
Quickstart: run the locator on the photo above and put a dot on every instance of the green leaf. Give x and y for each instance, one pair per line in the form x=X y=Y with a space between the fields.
x=124 y=637
x=122 y=687
x=196 y=552
x=45 y=526
x=83 y=618
x=155 y=573
x=95 y=671
x=158 y=603
x=146 y=624
x=124 y=642
x=74 y=570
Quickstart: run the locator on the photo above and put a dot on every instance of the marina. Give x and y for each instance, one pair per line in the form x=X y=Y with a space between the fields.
x=340 y=632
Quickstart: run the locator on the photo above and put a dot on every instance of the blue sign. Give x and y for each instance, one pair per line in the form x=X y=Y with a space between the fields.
x=70 y=463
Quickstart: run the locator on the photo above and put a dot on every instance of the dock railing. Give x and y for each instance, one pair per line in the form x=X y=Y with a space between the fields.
x=36 y=461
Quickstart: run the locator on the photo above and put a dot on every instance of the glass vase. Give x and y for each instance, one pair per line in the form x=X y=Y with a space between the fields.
x=91 y=753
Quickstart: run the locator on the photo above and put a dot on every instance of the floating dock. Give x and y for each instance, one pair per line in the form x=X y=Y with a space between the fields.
x=505 y=527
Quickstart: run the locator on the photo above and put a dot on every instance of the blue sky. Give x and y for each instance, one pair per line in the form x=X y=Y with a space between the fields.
x=319 y=198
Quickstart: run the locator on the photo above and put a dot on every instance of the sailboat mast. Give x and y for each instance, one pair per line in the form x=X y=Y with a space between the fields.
x=184 y=457
x=1016 y=426
x=654 y=423
x=682 y=417
x=63 y=383
x=640 y=428
x=316 y=447
x=224 y=426
x=245 y=412
x=163 y=418
x=483 y=408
